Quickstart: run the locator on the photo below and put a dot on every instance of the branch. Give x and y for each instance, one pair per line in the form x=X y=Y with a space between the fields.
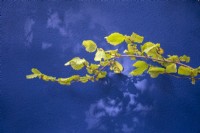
x=164 y=60
x=148 y=51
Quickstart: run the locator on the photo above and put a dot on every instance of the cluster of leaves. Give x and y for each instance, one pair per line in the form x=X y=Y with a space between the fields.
x=142 y=53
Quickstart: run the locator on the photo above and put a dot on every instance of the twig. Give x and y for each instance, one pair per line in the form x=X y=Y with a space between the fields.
x=147 y=57
x=153 y=59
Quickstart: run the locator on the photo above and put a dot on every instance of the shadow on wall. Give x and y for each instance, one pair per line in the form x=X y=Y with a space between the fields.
x=125 y=106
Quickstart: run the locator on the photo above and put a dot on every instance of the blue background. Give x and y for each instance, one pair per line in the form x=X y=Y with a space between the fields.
x=46 y=35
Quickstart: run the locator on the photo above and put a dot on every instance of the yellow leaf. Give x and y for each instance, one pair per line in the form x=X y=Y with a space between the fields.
x=182 y=70
x=131 y=48
x=171 y=68
x=194 y=72
x=146 y=45
x=155 y=71
x=118 y=68
x=115 y=38
x=31 y=76
x=173 y=58
x=141 y=66
x=160 y=50
x=52 y=78
x=35 y=71
x=151 y=48
x=89 y=45
x=184 y=58
x=112 y=53
x=100 y=54
x=45 y=77
x=128 y=39
x=64 y=81
x=198 y=69
x=101 y=74
x=137 y=38
x=104 y=63
x=91 y=69
x=193 y=81
x=67 y=81
x=83 y=79
x=76 y=63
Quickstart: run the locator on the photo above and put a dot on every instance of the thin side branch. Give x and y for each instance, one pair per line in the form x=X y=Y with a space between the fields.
x=163 y=60
x=147 y=57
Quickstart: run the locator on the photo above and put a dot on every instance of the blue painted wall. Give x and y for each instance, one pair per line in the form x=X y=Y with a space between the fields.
x=46 y=35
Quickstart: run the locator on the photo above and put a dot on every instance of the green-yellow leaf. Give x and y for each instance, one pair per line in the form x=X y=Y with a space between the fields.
x=184 y=58
x=89 y=45
x=171 y=68
x=101 y=74
x=132 y=50
x=67 y=81
x=64 y=81
x=187 y=71
x=76 y=60
x=45 y=77
x=104 y=63
x=182 y=70
x=115 y=38
x=146 y=45
x=31 y=76
x=112 y=53
x=173 y=58
x=35 y=71
x=118 y=67
x=85 y=79
x=100 y=54
x=193 y=81
x=155 y=71
x=74 y=77
x=141 y=66
x=128 y=39
x=137 y=38
x=77 y=66
x=52 y=78
x=194 y=72
x=76 y=63
x=151 y=47
x=92 y=68
x=198 y=68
